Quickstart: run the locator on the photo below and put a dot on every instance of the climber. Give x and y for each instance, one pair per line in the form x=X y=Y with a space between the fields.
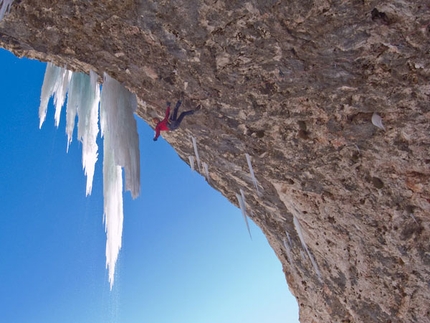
x=171 y=122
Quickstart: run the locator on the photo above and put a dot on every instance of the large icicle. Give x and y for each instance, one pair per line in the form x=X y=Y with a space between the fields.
x=121 y=148
x=113 y=216
x=55 y=82
x=83 y=100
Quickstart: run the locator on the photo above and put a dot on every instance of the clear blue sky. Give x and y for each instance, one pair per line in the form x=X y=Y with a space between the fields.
x=186 y=254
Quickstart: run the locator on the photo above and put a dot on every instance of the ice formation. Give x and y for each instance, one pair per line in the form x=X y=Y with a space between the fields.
x=5 y=7
x=302 y=240
x=289 y=238
x=288 y=251
x=83 y=101
x=113 y=207
x=191 y=159
x=242 y=205
x=117 y=121
x=251 y=170
x=413 y=218
x=377 y=121
x=121 y=149
x=206 y=169
x=55 y=83
x=288 y=247
x=121 y=141
x=196 y=152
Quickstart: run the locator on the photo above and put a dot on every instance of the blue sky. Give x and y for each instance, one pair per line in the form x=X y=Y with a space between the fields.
x=186 y=254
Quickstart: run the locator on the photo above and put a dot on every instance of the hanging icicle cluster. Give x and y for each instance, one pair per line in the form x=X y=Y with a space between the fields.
x=5 y=7
x=120 y=146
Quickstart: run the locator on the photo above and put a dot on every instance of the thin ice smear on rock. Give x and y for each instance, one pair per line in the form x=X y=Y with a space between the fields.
x=289 y=238
x=251 y=170
x=302 y=240
x=288 y=247
x=288 y=252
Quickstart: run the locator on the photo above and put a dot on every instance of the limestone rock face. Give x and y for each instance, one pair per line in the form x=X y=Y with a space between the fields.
x=294 y=84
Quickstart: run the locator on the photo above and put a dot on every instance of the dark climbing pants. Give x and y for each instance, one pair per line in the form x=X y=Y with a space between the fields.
x=175 y=122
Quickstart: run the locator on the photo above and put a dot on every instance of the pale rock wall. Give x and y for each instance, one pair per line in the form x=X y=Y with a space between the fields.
x=294 y=84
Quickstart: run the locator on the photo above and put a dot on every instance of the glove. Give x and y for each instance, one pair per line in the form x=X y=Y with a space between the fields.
x=155 y=139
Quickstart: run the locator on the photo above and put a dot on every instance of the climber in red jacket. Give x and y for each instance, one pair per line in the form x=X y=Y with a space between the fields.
x=171 y=122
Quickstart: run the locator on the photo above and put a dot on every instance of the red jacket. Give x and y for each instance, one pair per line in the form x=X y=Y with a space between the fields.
x=162 y=125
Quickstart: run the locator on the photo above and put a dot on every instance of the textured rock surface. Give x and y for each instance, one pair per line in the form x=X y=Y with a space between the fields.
x=294 y=84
